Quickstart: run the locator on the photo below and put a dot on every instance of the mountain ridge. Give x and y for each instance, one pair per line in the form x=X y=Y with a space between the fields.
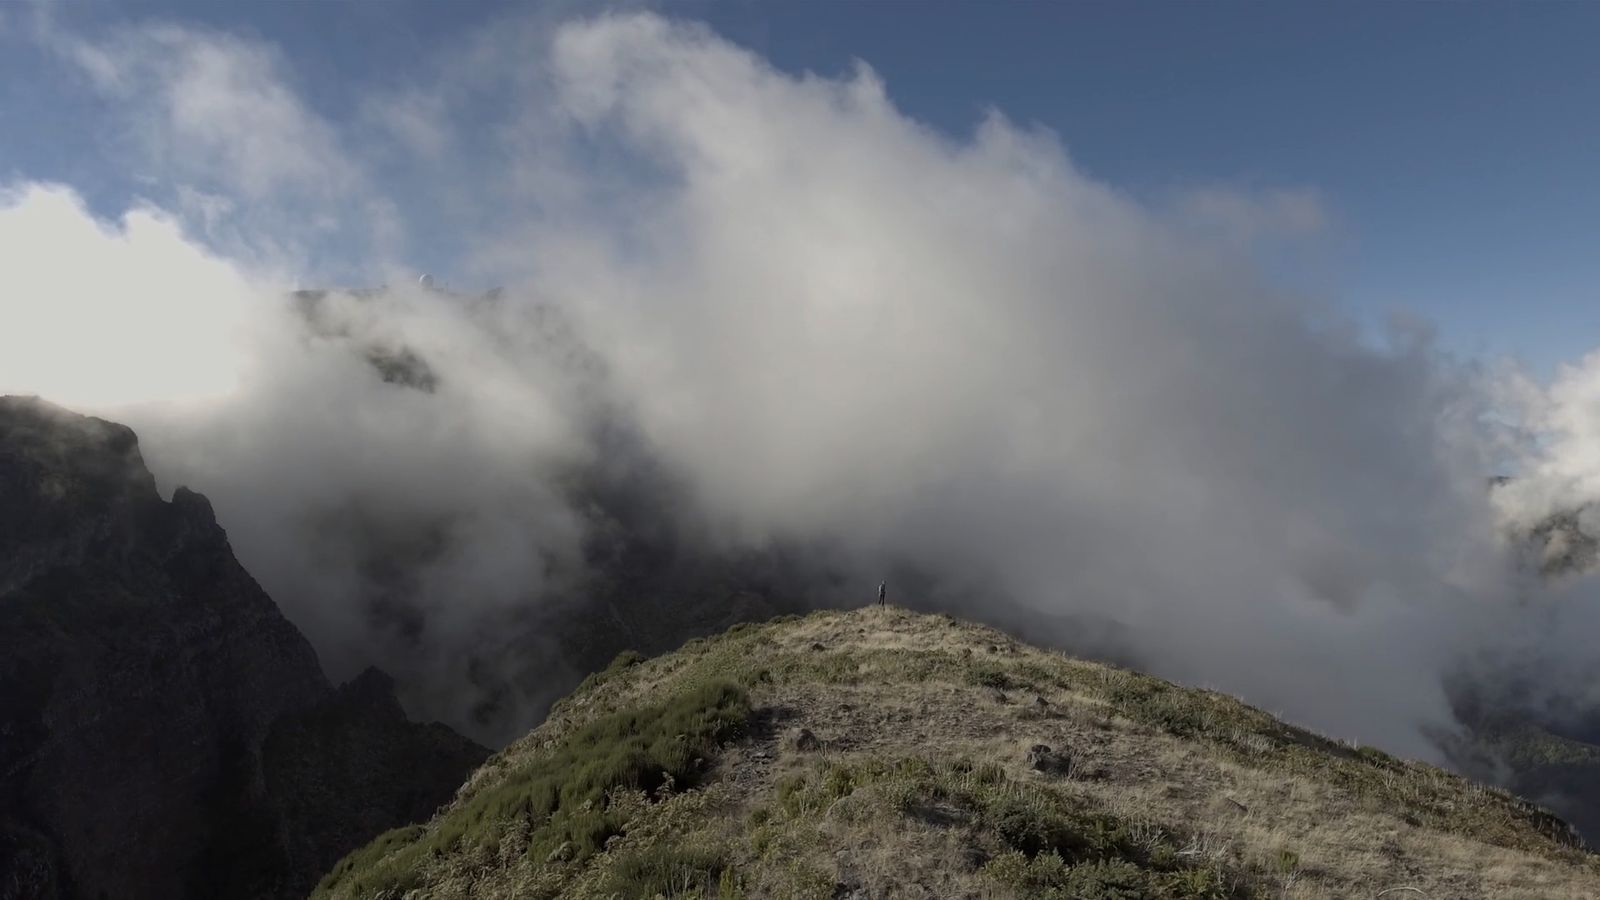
x=883 y=753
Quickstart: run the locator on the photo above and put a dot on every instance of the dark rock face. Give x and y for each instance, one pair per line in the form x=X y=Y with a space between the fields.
x=1041 y=758
x=337 y=779
x=164 y=731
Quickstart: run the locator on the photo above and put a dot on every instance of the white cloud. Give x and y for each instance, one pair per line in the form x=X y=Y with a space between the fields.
x=1560 y=470
x=108 y=314
x=955 y=353
x=968 y=354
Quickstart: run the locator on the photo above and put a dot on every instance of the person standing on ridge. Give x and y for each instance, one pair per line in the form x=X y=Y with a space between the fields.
x=883 y=591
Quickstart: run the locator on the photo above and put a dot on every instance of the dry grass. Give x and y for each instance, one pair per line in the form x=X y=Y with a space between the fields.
x=922 y=779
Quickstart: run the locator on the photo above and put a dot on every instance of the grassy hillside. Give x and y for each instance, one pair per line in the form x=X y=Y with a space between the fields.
x=881 y=753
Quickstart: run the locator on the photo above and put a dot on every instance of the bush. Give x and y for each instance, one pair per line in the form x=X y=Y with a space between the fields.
x=670 y=872
x=981 y=675
x=1171 y=709
x=565 y=796
x=622 y=662
x=1050 y=877
x=1108 y=880
x=358 y=861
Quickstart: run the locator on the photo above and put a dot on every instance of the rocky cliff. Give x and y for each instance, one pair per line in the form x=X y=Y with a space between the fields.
x=164 y=730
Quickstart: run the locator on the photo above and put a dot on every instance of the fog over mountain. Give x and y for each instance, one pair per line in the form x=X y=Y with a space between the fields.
x=762 y=313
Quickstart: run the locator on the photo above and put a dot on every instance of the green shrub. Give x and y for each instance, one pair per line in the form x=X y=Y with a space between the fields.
x=981 y=675
x=360 y=860
x=671 y=872
x=762 y=839
x=791 y=794
x=622 y=662
x=1155 y=703
x=1107 y=880
x=565 y=796
x=838 y=782
x=990 y=774
x=1048 y=876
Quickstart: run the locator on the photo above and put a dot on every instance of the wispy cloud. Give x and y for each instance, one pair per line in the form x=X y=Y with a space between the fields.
x=200 y=115
x=217 y=106
x=1241 y=216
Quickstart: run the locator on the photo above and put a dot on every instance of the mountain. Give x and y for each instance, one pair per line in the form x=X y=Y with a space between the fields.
x=879 y=753
x=164 y=731
x=1535 y=732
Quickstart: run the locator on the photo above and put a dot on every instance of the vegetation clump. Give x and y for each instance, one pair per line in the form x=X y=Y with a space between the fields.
x=671 y=871
x=622 y=662
x=564 y=802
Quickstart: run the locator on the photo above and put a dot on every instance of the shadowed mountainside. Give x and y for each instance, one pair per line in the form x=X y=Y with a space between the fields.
x=164 y=730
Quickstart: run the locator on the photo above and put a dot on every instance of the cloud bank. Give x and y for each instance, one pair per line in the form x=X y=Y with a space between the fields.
x=822 y=323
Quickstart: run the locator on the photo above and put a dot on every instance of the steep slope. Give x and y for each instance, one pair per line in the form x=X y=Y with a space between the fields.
x=880 y=753
x=158 y=714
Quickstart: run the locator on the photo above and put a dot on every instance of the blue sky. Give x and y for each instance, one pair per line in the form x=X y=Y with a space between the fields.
x=1454 y=147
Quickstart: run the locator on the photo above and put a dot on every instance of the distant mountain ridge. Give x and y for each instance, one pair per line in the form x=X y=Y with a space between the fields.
x=164 y=731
